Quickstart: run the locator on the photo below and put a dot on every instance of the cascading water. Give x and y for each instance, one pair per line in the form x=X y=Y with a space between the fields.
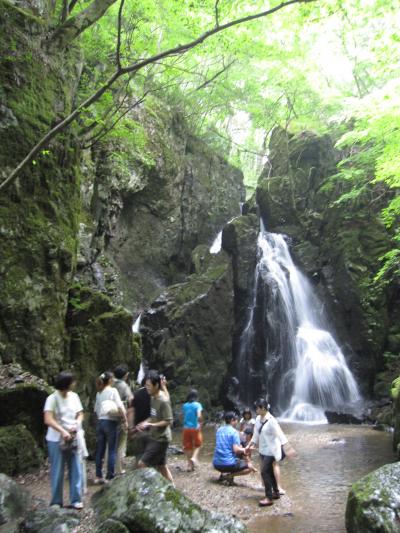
x=135 y=329
x=305 y=371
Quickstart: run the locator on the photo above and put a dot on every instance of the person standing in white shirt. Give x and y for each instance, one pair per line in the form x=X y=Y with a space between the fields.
x=270 y=438
x=109 y=410
x=63 y=415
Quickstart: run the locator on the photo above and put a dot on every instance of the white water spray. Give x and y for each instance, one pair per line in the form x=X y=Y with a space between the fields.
x=315 y=377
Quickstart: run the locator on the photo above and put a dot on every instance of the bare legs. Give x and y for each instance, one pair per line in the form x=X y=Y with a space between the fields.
x=165 y=471
x=277 y=474
x=192 y=457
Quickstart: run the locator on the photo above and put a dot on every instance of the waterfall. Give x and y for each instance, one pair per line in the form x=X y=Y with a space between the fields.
x=304 y=370
x=136 y=324
x=215 y=248
x=135 y=329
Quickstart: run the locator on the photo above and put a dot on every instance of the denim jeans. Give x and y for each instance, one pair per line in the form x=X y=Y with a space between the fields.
x=58 y=460
x=107 y=434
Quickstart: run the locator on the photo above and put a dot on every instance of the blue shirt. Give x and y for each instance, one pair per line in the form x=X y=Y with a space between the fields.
x=190 y=414
x=226 y=437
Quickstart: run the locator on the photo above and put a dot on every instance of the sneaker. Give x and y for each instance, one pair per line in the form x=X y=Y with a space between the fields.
x=99 y=481
x=77 y=505
x=55 y=506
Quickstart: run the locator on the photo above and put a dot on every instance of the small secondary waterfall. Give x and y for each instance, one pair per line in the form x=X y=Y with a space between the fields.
x=136 y=324
x=135 y=329
x=304 y=369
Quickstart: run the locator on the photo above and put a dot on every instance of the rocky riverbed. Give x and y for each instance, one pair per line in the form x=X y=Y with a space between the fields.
x=330 y=459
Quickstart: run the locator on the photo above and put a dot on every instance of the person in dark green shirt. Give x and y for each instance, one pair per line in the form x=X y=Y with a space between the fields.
x=157 y=427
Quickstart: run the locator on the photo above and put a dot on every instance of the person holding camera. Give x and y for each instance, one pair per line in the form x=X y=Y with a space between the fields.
x=63 y=416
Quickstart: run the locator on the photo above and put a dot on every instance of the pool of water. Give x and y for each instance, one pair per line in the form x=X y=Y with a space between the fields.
x=330 y=458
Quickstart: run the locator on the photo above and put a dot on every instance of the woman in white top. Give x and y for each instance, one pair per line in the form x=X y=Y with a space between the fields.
x=270 y=438
x=63 y=414
x=109 y=410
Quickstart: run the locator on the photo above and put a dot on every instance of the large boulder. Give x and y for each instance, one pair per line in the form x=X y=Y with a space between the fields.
x=144 y=501
x=42 y=519
x=373 y=503
x=187 y=330
x=22 y=397
x=18 y=450
x=20 y=513
x=14 y=503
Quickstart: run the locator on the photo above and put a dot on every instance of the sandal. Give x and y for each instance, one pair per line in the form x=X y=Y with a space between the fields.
x=265 y=502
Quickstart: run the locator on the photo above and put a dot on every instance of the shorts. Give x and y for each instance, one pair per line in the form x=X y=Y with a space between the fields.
x=191 y=438
x=237 y=467
x=137 y=443
x=155 y=453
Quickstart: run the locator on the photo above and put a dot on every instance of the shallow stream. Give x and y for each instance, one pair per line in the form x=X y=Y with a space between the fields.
x=330 y=458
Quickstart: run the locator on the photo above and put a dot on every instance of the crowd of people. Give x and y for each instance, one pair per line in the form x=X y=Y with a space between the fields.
x=145 y=416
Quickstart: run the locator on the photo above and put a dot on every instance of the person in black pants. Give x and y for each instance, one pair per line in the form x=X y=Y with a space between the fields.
x=269 y=437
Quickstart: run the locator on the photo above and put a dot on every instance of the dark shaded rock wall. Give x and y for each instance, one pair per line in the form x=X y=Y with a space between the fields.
x=187 y=330
x=337 y=247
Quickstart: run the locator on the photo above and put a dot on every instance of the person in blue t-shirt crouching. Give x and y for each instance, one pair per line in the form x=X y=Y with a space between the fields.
x=227 y=450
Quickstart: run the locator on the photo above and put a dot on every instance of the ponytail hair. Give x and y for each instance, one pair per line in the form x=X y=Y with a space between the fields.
x=103 y=380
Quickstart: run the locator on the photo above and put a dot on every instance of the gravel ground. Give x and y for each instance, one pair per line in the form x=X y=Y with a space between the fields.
x=201 y=486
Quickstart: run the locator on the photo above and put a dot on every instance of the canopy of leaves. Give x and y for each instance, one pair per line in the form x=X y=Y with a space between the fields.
x=322 y=65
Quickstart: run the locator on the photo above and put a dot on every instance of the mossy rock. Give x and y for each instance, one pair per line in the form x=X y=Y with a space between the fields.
x=14 y=502
x=43 y=519
x=39 y=211
x=373 y=503
x=18 y=450
x=144 y=501
x=22 y=397
x=395 y=390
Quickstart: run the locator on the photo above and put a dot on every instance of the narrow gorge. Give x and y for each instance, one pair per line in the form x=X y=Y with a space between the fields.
x=184 y=223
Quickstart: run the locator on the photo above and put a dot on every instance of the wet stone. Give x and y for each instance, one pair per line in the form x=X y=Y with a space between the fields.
x=373 y=503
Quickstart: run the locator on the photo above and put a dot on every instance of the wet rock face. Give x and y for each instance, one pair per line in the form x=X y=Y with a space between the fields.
x=144 y=501
x=373 y=503
x=339 y=250
x=187 y=331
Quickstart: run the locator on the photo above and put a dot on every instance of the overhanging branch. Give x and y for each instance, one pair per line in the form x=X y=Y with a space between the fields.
x=132 y=69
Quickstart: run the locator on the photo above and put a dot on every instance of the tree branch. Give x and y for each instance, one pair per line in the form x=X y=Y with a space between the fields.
x=180 y=49
x=213 y=78
x=74 y=26
x=118 y=55
x=216 y=14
